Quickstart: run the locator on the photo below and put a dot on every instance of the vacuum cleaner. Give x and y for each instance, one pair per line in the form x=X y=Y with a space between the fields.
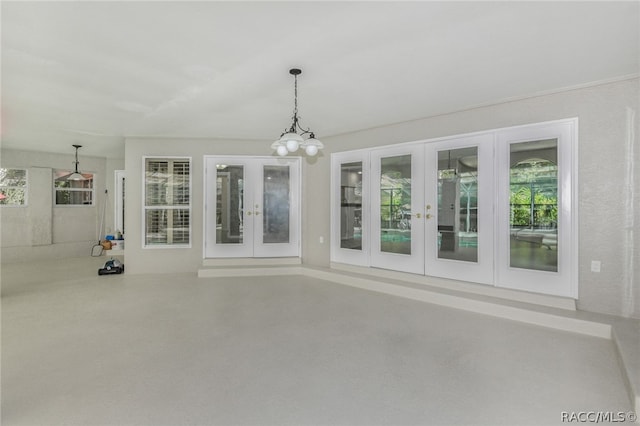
x=112 y=266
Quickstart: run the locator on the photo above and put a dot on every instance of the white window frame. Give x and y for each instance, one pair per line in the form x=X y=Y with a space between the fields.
x=145 y=208
x=92 y=190
x=25 y=188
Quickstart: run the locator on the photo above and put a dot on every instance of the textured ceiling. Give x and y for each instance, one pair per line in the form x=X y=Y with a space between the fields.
x=96 y=72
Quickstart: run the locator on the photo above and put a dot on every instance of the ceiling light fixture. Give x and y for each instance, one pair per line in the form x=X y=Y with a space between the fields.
x=290 y=140
x=76 y=175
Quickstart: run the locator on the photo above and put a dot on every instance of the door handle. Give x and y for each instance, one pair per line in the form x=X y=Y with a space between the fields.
x=257 y=213
x=248 y=213
x=427 y=216
x=418 y=215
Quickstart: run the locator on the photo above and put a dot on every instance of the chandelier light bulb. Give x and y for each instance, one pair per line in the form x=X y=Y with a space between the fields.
x=311 y=150
x=292 y=145
x=282 y=150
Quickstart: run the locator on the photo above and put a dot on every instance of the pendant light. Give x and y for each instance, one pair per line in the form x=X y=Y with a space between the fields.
x=290 y=140
x=76 y=175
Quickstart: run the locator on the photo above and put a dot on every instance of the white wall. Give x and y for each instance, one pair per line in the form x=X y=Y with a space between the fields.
x=41 y=230
x=607 y=183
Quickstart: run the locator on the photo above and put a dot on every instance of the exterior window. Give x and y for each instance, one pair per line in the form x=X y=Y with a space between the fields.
x=70 y=191
x=13 y=187
x=167 y=208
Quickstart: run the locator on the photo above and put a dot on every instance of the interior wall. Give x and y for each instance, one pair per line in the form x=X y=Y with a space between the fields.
x=608 y=183
x=41 y=230
x=608 y=180
x=171 y=259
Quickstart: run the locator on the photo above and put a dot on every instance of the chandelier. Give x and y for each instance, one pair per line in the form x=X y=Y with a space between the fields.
x=76 y=175
x=290 y=140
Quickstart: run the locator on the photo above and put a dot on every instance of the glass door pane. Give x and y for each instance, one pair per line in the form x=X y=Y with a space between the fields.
x=350 y=208
x=276 y=207
x=458 y=204
x=229 y=204
x=395 y=204
x=533 y=205
x=275 y=218
x=351 y=205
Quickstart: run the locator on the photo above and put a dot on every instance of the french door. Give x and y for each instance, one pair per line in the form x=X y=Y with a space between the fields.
x=252 y=207
x=536 y=212
x=459 y=240
x=497 y=207
x=397 y=198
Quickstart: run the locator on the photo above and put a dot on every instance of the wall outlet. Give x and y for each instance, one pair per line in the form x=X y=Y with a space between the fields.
x=321 y=240
x=595 y=266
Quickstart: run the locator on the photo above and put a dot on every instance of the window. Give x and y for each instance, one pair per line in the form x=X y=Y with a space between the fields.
x=167 y=208
x=13 y=187
x=71 y=191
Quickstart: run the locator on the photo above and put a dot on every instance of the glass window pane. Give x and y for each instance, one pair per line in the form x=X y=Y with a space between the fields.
x=13 y=187
x=458 y=204
x=13 y=177
x=156 y=226
x=12 y=196
x=179 y=228
x=395 y=204
x=229 y=204
x=156 y=183
x=71 y=197
x=179 y=180
x=351 y=205
x=275 y=218
x=534 y=205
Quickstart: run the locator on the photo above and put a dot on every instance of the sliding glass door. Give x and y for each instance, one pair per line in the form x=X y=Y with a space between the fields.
x=252 y=208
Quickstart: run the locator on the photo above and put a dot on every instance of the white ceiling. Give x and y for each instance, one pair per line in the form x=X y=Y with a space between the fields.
x=94 y=73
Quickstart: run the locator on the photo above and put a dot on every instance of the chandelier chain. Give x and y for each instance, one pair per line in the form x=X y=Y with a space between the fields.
x=295 y=97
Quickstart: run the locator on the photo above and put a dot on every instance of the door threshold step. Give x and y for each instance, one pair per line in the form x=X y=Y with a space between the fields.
x=251 y=261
